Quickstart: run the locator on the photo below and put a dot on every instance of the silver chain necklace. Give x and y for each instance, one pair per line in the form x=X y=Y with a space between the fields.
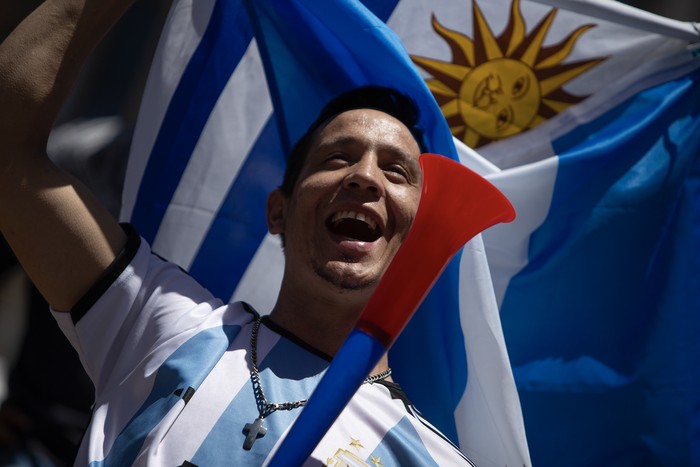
x=256 y=429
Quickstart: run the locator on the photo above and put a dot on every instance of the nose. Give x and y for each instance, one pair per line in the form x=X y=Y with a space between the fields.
x=365 y=174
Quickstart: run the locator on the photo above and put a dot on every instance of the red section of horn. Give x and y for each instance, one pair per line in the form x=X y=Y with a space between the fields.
x=456 y=204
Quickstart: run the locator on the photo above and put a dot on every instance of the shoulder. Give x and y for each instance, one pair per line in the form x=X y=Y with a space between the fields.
x=137 y=274
x=407 y=436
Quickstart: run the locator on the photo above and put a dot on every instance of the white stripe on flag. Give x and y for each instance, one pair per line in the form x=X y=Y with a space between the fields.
x=261 y=281
x=488 y=416
x=530 y=189
x=231 y=131
x=179 y=39
x=620 y=13
x=471 y=159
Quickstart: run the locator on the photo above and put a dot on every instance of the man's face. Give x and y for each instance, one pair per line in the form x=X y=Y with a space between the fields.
x=353 y=203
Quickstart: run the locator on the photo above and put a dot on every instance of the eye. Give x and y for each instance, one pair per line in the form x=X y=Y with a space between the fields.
x=520 y=86
x=336 y=160
x=397 y=173
x=504 y=118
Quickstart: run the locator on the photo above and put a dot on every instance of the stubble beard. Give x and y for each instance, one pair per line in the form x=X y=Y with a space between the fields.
x=347 y=283
x=340 y=281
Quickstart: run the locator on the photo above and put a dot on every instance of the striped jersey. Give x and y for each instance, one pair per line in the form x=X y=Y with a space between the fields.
x=171 y=367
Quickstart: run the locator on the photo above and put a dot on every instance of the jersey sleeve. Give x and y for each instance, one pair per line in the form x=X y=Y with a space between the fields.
x=141 y=308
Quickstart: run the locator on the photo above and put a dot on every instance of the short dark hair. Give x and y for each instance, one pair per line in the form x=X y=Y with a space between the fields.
x=387 y=100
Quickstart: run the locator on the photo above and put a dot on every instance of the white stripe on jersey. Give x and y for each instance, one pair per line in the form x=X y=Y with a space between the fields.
x=356 y=414
x=211 y=400
x=434 y=444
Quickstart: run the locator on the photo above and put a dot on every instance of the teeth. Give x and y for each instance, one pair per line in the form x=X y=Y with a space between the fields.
x=338 y=216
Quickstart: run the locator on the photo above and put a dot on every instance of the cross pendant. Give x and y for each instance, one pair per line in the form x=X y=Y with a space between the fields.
x=253 y=431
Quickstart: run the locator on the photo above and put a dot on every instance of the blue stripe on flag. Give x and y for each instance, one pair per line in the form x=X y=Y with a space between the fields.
x=288 y=78
x=591 y=345
x=312 y=51
x=296 y=110
x=381 y=8
x=223 y=44
x=240 y=225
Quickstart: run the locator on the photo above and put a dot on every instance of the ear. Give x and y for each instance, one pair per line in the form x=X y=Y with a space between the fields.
x=276 y=208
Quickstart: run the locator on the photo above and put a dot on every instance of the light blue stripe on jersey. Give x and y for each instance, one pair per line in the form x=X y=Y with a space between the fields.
x=401 y=445
x=187 y=367
x=300 y=371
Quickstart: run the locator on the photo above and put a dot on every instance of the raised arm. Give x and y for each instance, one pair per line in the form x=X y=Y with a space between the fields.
x=61 y=235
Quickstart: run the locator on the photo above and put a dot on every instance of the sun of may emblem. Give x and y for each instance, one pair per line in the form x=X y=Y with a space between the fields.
x=496 y=87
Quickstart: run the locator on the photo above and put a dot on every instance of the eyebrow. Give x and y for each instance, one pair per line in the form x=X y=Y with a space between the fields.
x=341 y=140
x=348 y=140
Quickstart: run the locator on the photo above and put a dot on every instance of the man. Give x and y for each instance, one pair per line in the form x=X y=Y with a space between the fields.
x=181 y=378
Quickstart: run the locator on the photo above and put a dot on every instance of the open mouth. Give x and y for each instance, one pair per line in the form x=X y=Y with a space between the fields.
x=354 y=225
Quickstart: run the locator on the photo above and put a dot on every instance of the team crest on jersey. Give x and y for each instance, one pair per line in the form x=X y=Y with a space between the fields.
x=498 y=86
x=346 y=458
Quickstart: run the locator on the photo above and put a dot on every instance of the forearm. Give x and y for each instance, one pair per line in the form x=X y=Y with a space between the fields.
x=63 y=238
x=41 y=59
x=61 y=235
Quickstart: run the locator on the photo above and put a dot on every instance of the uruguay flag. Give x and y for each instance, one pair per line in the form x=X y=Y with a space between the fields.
x=589 y=113
x=598 y=278
x=233 y=85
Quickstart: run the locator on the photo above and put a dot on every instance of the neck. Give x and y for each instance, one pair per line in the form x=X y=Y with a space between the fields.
x=321 y=321
x=379 y=369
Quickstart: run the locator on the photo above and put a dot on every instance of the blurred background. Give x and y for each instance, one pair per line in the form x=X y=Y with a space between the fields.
x=46 y=395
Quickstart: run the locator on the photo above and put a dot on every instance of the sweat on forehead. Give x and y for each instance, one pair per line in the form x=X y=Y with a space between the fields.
x=383 y=99
x=375 y=124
